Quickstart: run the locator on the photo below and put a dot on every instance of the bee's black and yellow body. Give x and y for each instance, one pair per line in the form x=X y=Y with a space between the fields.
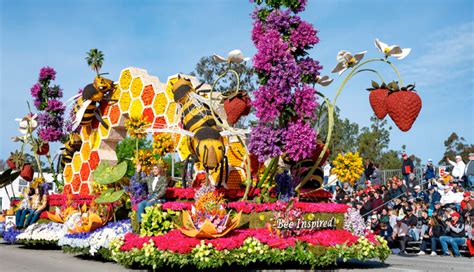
x=92 y=96
x=72 y=145
x=207 y=143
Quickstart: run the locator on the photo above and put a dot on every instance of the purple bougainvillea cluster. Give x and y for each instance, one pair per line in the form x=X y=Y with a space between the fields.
x=46 y=99
x=285 y=103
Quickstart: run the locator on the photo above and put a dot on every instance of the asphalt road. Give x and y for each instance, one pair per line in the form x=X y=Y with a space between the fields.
x=17 y=258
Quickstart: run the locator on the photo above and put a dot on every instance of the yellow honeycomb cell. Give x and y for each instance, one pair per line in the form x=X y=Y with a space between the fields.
x=236 y=154
x=85 y=132
x=115 y=96
x=104 y=133
x=94 y=140
x=137 y=87
x=85 y=151
x=169 y=88
x=136 y=109
x=67 y=174
x=159 y=103
x=125 y=100
x=183 y=148
x=171 y=113
x=125 y=79
x=76 y=162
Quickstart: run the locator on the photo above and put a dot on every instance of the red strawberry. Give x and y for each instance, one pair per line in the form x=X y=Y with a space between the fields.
x=43 y=149
x=236 y=107
x=403 y=107
x=27 y=172
x=377 y=102
x=11 y=164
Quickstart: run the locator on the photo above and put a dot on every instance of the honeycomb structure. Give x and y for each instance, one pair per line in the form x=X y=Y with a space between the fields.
x=136 y=94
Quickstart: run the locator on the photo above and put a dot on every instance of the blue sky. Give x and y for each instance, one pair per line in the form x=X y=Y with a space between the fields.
x=166 y=37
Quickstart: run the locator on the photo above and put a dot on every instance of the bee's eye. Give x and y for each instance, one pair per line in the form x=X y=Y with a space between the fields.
x=101 y=88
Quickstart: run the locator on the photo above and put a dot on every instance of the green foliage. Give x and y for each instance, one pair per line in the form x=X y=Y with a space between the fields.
x=125 y=151
x=95 y=59
x=456 y=145
x=105 y=174
x=207 y=70
x=109 y=196
x=390 y=160
x=373 y=140
x=155 y=221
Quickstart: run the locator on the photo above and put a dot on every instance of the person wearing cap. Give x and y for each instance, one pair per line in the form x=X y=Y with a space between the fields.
x=411 y=220
x=469 y=172
x=419 y=194
x=400 y=234
x=429 y=171
x=466 y=199
x=448 y=196
x=433 y=196
x=407 y=167
x=458 y=167
x=455 y=235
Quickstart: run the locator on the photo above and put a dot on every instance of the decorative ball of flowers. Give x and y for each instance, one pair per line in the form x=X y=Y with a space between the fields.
x=162 y=144
x=348 y=167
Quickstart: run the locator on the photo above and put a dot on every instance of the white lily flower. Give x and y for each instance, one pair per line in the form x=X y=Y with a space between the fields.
x=346 y=60
x=19 y=139
x=234 y=56
x=324 y=80
x=392 y=50
x=27 y=122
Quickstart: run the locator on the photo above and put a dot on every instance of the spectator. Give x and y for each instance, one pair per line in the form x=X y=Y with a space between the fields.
x=448 y=196
x=419 y=194
x=429 y=171
x=412 y=182
x=332 y=181
x=377 y=202
x=386 y=232
x=411 y=220
x=433 y=234
x=433 y=197
x=454 y=235
x=400 y=234
x=407 y=167
x=376 y=177
x=368 y=169
x=458 y=167
x=469 y=172
x=339 y=194
x=326 y=172
x=347 y=188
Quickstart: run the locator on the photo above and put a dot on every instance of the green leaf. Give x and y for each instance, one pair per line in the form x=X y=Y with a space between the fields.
x=109 y=196
x=105 y=174
x=375 y=85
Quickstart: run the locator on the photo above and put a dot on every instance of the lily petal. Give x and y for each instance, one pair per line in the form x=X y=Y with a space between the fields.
x=360 y=55
x=235 y=56
x=342 y=55
x=218 y=58
x=324 y=81
x=394 y=50
x=340 y=67
x=380 y=45
x=405 y=52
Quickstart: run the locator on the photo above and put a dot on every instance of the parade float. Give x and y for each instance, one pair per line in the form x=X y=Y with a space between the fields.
x=247 y=194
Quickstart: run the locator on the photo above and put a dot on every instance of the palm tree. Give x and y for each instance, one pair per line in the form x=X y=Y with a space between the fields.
x=95 y=59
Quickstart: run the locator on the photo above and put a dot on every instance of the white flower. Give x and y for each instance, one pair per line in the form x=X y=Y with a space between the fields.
x=392 y=50
x=346 y=60
x=235 y=56
x=324 y=80
x=27 y=123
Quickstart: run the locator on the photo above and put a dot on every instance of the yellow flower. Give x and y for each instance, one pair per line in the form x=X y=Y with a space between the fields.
x=136 y=127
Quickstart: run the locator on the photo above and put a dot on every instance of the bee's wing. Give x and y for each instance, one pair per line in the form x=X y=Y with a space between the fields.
x=69 y=111
x=175 y=130
x=80 y=114
x=235 y=132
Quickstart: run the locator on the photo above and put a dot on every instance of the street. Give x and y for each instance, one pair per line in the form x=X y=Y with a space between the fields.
x=17 y=258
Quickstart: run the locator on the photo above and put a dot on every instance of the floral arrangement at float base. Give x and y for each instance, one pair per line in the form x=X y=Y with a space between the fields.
x=157 y=221
x=244 y=247
x=348 y=167
x=95 y=241
x=42 y=234
x=208 y=218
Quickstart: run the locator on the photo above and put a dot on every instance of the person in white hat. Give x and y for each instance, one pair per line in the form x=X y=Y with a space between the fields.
x=469 y=171
x=419 y=194
x=429 y=171
x=458 y=167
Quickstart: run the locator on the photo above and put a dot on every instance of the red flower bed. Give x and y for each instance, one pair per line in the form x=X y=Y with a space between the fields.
x=59 y=200
x=176 y=242
x=322 y=194
x=188 y=193
x=177 y=206
x=249 y=207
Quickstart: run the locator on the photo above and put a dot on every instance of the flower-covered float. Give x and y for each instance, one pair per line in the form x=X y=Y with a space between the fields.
x=247 y=194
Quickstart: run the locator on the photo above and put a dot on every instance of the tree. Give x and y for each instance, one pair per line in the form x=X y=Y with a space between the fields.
x=456 y=145
x=344 y=135
x=373 y=140
x=95 y=59
x=208 y=70
x=390 y=160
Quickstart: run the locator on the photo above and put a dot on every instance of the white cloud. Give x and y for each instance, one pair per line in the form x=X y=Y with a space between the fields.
x=447 y=55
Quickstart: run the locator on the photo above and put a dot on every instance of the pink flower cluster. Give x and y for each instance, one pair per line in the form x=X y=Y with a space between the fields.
x=306 y=207
x=284 y=104
x=176 y=242
x=188 y=193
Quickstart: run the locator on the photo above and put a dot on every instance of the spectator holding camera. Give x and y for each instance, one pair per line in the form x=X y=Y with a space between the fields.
x=455 y=235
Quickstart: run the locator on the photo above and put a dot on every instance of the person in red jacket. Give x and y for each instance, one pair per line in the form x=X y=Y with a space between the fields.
x=466 y=199
x=407 y=167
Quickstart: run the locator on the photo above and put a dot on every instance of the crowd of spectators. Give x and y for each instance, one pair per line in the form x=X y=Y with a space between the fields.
x=435 y=211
